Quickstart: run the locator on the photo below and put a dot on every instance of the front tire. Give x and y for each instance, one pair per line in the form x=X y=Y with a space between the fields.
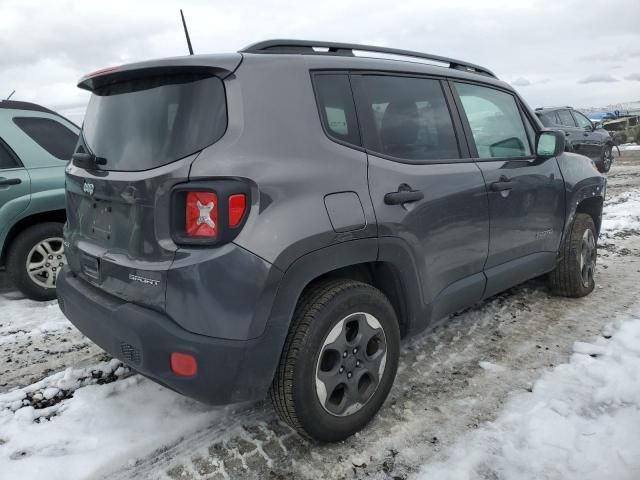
x=574 y=276
x=35 y=258
x=339 y=360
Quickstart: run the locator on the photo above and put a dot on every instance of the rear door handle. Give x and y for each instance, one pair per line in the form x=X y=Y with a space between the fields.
x=4 y=182
x=502 y=184
x=404 y=195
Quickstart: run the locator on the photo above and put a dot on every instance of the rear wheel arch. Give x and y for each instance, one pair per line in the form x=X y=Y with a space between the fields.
x=356 y=260
x=382 y=275
x=59 y=216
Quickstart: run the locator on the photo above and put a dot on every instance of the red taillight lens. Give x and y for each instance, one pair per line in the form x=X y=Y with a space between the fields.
x=201 y=219
x=183 y=364
x=237 y=205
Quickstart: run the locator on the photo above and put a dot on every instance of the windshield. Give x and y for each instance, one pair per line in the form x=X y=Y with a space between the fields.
x=150 y=122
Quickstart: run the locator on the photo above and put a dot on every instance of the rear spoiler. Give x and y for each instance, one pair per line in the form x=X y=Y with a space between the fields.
x=218 y=65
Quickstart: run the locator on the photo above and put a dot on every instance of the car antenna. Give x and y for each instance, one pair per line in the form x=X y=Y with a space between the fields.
x=10 y=95
x=186 y=32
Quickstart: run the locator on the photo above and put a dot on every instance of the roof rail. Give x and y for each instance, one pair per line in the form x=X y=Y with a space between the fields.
x=308 y=47
x=554 y=107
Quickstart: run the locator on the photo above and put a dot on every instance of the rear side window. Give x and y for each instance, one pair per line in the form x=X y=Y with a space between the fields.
x=495 y=121
x=549 y=119
x=149 y=122
x=337 y=110
x=405 y=117
x=566 y=118
x=6 y=159
x=51 y=135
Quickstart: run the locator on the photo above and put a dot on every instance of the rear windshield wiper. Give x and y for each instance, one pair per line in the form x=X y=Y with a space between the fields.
x=87 y=160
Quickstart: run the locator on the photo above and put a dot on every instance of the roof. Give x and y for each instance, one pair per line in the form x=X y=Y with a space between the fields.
x=18 y=105
x=31 y=107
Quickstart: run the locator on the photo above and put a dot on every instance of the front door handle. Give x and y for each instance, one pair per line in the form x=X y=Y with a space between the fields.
x=502 y=184
x=5 y=182
x=404 y=195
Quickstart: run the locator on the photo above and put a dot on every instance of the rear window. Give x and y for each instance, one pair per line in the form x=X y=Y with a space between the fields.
x=51 y=135
x=146 y=123
x=337 y=110
x=548 y=119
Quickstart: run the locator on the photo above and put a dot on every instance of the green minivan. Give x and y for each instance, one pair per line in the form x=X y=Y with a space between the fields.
x=35 y=145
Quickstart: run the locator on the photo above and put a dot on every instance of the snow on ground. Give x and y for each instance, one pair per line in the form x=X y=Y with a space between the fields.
x=581 y=421
x=25 y=317
x=622 y=213
x=629 y=146
x=68 y=411
x=37 y=340
x=111 y=417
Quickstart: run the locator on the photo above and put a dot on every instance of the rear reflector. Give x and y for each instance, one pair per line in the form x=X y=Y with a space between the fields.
x=237 y=205
x=201 y=219
x=183 y=364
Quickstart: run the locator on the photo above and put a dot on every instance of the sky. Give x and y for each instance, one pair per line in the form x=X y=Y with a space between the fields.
x=583 y=53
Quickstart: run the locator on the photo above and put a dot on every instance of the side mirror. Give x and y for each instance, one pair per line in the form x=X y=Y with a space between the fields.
x=597 y=125
x=549 y=143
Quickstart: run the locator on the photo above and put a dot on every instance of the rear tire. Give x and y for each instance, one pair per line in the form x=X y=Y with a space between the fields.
x=606 y=159
x=574 y=276
x=339 y=360
x=27 y=249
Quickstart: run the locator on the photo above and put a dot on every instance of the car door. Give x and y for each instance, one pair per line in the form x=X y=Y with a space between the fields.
x=592 y=142
x=574 y=135
x=15 y=187
x=424 y=188
x=526 y=194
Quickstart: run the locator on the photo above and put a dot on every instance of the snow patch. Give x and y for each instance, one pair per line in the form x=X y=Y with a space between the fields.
x=491 y=367
x=580 y=421
x=120 y=419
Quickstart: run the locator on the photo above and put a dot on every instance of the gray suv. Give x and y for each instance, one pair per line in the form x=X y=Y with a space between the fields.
x=276 y=220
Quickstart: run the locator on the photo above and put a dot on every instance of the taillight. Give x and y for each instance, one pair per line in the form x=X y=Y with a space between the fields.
x=208 y=213
x=201 y=215
x=237 y=205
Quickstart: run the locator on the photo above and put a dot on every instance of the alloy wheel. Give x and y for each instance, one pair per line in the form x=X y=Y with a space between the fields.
x=351 y=364
x=587 y=257
x=45 y=260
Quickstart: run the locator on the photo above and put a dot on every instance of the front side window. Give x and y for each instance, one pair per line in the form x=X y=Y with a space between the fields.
x=337 y=110
x=148 y=122
x=583 y=122
x=405 y=117
x=495 y=121
x=51 y=135
x=566 y=119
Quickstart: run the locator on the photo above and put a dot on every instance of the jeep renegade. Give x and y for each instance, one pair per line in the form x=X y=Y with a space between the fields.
x=277 y=219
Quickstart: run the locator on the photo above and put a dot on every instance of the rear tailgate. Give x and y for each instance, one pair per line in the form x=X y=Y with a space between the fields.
x=145 y=124
x=118 y=234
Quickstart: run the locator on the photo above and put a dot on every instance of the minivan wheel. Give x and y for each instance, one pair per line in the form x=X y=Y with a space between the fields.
x=606 y=159
x=339 y=360
x=574 y=275
x=35 y=258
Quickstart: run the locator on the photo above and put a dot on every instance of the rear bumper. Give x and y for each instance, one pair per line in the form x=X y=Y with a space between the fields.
x=229 y=371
